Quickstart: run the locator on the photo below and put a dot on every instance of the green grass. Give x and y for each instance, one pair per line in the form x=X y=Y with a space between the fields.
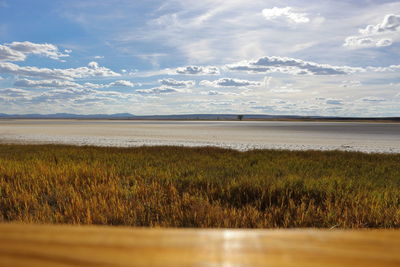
x=198 y=187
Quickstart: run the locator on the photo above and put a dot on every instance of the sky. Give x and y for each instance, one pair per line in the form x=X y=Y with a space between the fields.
x=286 y=57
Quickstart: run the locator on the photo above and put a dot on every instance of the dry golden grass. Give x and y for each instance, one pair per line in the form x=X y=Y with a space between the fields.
x=198 y=187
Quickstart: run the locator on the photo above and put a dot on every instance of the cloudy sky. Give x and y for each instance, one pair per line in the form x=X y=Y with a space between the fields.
x=339 y=57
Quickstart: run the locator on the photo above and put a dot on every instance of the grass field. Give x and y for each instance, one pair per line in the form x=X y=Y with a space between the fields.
x=198 y=187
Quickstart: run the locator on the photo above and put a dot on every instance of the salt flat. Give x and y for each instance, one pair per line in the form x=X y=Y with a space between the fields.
x=241 y=135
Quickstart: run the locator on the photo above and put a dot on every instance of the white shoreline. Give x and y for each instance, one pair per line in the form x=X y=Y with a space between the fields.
x=103 y=141
x=242 y=136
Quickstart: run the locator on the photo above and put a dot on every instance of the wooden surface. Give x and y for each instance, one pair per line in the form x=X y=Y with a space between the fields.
x=32 y=245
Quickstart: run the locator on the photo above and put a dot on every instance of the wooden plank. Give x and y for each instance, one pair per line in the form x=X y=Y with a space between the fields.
x=49 y=245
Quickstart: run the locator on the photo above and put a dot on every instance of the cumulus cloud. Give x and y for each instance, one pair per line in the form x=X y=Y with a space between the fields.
x=93 y=65
x=93 y=70
x=334 y=102
x=9 y=93
x=17 y=51
x=285 y=90
x=119 y=83
x=162 y=90
x=94 y=85
x=352 y=83
x=61 y=96
x=372 y=99
x=379 y=35
x=69 y=84
x=390 y=23
x=290 y=66
x=391 y=68
x=229 y=82
x=122 y=83
x=212 y=92
x=81 y=96
x=279 y=86
x=286 y=13
x=45 y=83
x=8 y=54
x=198 y=70
x=215 y=93
x=175 y=83
x=384 y=42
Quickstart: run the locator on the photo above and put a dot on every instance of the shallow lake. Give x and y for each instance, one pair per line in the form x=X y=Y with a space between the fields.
x=241 y=135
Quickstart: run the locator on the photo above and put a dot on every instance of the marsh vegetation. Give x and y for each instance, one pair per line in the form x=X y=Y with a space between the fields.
x=198 y=187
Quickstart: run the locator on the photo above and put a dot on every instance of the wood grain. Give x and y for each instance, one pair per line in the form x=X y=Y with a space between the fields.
x=45 y=245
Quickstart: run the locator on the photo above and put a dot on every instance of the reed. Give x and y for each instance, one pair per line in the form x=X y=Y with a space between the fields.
x=198 y=187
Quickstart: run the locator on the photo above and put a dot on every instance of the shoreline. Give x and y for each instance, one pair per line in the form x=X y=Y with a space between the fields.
x=360 y=120
x=116 y=143
x=243 y=136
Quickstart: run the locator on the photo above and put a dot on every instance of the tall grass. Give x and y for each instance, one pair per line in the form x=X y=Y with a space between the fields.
x=198 y=187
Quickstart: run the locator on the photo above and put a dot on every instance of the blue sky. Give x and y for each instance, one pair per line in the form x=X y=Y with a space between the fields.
x=182 y=56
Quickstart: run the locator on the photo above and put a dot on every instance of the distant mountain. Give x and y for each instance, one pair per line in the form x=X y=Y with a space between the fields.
x=68 y=116
x=128 y=116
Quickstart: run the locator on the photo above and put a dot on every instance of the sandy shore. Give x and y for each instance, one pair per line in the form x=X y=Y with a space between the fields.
x=245 y=135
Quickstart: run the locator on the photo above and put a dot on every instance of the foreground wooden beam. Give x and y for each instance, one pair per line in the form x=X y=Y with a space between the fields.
x=45 y=245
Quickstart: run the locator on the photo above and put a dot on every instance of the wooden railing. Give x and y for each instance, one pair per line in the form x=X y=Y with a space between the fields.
x=46 y=245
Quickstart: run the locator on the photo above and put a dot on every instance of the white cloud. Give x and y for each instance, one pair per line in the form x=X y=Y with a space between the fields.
x=10 y=93
x=334 y=102
x=69 y=84
x=70 y=96
x=45 y=83
x=373 y=99
x=94 y=85
x=286 y=13
x=285 y=90
x=290 y=66
x=379 y=35
x=62 y=95
x=198 y=70
x=46 y=50
x=162 y=90
x=280 y=86
x=93 y=65
x=122 y=83
x=352 y=83
x=384 y=42
x=98 y=57
x=119 y=83
x=390 y=23
x=93 y=70
x=391 y=68
x=212 y=92
x=8 y=54
x=229 y=82
x=175 y=83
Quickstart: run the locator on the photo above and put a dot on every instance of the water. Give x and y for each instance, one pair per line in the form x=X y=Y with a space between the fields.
x=244 y=135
